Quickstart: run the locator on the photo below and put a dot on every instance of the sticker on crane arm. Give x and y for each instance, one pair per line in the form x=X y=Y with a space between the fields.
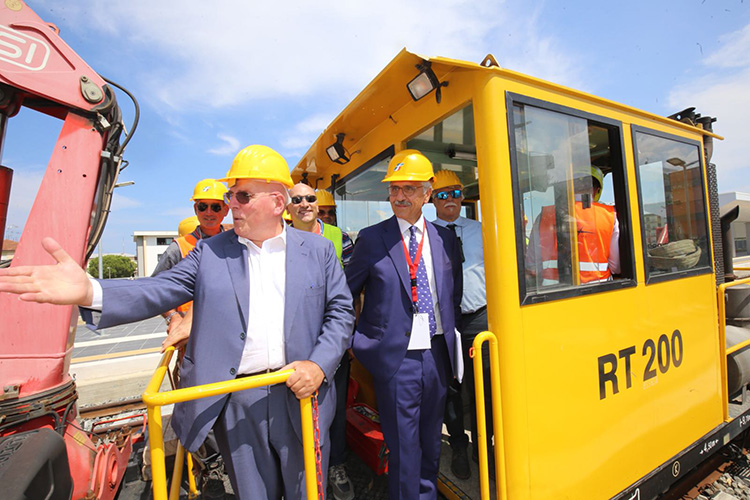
x=21 y=49
x=616 y=369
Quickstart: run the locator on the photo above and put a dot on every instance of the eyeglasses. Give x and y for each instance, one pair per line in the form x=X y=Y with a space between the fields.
x=311 y=198
x=243 y=197
x=215 y=207
x=330 y=211
x=453 y=193
x=408 y=190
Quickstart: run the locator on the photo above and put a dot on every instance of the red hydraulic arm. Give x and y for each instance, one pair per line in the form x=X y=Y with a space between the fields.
x=39 y=71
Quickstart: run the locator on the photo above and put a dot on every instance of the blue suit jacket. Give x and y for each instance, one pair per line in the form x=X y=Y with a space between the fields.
x=318 y=319
x=378 y=266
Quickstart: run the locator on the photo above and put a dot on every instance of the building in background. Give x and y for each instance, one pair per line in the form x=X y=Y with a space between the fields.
x=741 y=226
x=9 y=249
x=149 y=247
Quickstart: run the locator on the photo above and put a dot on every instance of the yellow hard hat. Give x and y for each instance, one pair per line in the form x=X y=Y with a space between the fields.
x=409 y=165
x=187 y=226
x=596 y=173
x=209 y=189
x=325 y=199
x=286 y=216
x=445 y=178
x=260 y=163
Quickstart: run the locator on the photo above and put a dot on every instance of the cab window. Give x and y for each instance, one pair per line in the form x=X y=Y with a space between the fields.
x=673 y=207
x=571 y=200
x=362 y=198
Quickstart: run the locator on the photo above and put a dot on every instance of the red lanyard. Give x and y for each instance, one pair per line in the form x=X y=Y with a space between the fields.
x=413 y=266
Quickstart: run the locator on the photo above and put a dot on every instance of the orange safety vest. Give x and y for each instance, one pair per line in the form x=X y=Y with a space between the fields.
x=594 y=226
x=186 y=243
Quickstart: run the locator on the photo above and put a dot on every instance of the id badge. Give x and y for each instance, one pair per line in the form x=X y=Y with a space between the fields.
x=420 y=332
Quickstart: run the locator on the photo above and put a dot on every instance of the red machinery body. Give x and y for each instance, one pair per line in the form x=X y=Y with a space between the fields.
x=38 y=70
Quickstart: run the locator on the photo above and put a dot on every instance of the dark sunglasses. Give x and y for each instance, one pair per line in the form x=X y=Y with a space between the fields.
x=202 y=207
x=311 y=198
x=453 y=193
x=243 y=197
x=330 y=211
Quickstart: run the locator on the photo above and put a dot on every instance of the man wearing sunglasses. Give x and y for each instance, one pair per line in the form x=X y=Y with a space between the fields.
x=265 y=297
x=304 y=211
x=447 y=195
x=327 y=207
x=410 y=271
x=210 y=209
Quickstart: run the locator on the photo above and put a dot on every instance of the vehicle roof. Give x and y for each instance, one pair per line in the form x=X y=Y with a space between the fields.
x=387 y=93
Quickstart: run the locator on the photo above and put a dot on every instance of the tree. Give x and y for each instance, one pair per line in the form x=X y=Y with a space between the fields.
x=113 y=266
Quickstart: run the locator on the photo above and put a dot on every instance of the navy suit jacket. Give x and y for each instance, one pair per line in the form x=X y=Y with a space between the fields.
x=318 y=319
x=378 y=265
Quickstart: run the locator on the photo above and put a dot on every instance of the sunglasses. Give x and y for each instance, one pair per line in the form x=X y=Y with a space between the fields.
x=215 y=207
x=408 y=190
x=243 y=197
x=311 y=198
x=453 y=193
x=323 y=211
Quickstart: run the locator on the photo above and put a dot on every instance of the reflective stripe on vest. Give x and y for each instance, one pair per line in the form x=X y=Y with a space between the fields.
x=333 y=234
x=594 y=227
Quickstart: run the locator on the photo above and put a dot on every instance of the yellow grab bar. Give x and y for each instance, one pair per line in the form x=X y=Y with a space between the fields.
x=497 y=417
x=154 y=400
x=723 y=341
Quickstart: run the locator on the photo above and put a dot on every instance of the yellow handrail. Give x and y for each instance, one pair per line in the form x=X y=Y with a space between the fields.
x=723 y=340
x=154 y=400
x=497 y=417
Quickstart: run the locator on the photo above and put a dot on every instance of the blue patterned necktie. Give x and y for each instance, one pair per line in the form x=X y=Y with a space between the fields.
x=424 y=297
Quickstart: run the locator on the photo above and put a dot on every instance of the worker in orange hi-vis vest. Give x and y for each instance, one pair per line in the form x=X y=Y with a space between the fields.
x=598 y=235
x=210 y=210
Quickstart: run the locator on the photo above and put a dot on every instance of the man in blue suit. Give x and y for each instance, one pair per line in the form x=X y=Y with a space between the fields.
x=265 y=297
x=410 y=271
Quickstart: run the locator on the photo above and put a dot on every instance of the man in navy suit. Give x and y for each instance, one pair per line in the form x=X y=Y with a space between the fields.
x=265 y=297
x=410 y=271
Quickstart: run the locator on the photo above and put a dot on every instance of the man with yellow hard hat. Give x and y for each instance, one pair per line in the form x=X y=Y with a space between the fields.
x=265 y=297
x=210 y=210
x=326 y=207
x=410 y=271
x=598 y=236
x=447 y=195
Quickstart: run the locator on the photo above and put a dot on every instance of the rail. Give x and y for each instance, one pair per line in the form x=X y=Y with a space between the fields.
x=497 y=417
x=155 y=400
x=723 y=337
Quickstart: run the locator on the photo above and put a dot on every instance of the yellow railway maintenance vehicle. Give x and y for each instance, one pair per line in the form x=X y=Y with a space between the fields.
x=615 y=388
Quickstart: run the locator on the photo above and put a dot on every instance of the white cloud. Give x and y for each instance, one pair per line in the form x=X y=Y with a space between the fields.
x=211 y=56
x=725 y=94
x=230 y=146
x=304 y=133
x=735 y=52
x=120 y=202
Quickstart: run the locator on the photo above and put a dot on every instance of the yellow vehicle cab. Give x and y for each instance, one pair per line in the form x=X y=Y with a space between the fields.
x=610 y=388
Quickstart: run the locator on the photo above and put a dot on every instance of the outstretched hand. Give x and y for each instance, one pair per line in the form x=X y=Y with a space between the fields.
x=62 y=283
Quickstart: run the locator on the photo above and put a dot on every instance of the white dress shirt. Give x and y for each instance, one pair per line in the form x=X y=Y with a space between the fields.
x=264 y=344
x=475 y=290
x=427 y=257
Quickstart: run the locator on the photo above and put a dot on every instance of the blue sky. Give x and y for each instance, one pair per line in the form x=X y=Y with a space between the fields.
x=214 y=77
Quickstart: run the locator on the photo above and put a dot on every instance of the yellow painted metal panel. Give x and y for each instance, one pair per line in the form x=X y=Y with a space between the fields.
x=562 y=440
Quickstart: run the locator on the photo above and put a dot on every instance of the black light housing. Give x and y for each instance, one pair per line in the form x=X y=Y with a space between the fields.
x=337 y=152
x=425 y=82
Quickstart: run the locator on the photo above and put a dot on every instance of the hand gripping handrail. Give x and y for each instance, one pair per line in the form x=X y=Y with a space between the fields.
x=497 y=417
x=721 y=299
x=154 y=400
